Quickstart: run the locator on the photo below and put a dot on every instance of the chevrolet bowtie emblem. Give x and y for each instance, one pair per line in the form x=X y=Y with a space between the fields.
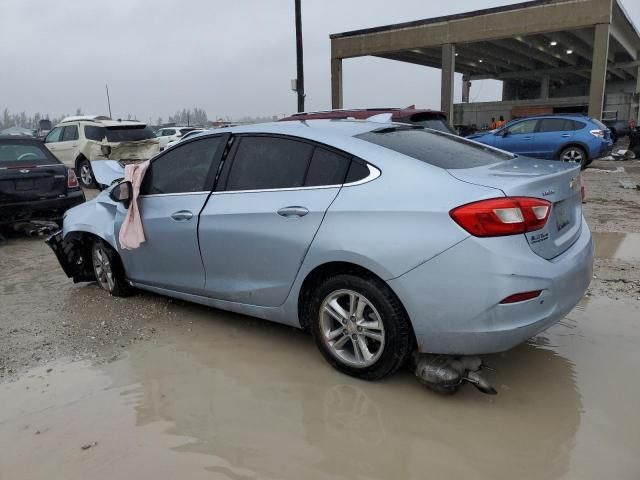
x=24 y=170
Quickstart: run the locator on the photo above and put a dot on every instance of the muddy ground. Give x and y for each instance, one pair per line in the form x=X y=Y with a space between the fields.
x=148 y=387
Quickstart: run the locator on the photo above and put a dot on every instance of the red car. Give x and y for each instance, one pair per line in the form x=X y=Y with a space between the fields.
x=426 y=118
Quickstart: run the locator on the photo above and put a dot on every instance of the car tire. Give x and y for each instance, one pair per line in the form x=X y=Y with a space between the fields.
x=85 y=174
x=108 y=269
x=574 y=154
x=377 y=320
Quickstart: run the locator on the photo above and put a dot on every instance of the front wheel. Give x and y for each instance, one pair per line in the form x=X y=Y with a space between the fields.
x=360 y=327
x=85 y=173
x=108 y=269
x=575 y=154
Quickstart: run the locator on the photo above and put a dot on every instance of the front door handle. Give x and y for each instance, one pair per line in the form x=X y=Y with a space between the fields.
x=526 y=138
x=566 y=135
x=293 y=211
x=182 y=215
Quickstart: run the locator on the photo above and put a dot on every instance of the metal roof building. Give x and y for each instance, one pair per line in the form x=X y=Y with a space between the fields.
x=552 y=55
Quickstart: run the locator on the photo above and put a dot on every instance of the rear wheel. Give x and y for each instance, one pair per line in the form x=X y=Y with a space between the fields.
x=360 y=327
x=108 y=269
x=574 y=154
x=85 y=173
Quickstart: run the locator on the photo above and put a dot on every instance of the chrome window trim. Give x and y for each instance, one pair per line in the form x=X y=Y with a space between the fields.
x=36 y=166
x=173 y=194
x=374 y=173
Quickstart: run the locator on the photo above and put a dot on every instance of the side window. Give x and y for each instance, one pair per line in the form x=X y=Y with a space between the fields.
x=268 y=162
x=168 y=132
x=556 y=125
x=358 y=170
x=54 y=135
x=578 y=125
x=70 y=133
x=327 y=168
x=183 y=169
x=528 y=126
x=91 y=132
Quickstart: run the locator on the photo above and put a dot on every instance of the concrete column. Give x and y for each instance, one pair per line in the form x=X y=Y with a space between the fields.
x=448 y=70
x=599 y=70
x=466 y=89
x=544 y=87
x=336 y=83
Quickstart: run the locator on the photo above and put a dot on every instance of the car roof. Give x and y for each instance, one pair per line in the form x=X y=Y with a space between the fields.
x=307 y=128
x=364 y=113
x=101 y=120
x=19 y=139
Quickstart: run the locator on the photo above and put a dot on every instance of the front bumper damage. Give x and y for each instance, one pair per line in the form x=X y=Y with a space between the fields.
x=74 y=255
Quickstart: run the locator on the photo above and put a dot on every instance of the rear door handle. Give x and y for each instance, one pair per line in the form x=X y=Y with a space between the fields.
x=182 y=215
x=566 y=135
x=526 y=138
x=293 y=211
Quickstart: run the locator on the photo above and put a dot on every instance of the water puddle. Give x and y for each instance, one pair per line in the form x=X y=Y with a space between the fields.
x=241 y=399
x=617 y=245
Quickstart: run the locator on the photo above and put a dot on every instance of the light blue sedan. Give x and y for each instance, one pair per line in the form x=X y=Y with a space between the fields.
x=381 y=239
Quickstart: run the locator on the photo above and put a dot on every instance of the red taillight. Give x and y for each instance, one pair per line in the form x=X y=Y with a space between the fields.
x=597 y=133
x=72 y=179
x=521 y=297
x=502 y=216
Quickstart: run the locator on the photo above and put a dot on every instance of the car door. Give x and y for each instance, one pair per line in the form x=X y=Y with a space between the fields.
x=52 y=140
x=518 y=138
x=174 y=190
x=68 y=145
x=552 y=134
x=259 y=223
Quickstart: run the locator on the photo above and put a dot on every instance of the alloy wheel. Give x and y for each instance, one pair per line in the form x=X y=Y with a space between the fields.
x=352 y=328
x=572 y=155
x=102 y=267
x=85 y=174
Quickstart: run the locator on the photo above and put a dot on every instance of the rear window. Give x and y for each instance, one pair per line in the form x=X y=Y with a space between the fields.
x=429 y=120
x=22 y=154
x=435 y=148
x=128 y=134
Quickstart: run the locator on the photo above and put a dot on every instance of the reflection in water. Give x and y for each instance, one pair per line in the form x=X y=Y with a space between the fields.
x=260 y=400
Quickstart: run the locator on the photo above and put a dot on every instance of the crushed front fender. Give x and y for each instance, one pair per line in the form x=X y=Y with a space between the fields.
x=74 y=255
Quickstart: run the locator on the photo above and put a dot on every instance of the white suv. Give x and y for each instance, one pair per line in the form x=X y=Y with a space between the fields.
x=92 y=144
x=171 y=134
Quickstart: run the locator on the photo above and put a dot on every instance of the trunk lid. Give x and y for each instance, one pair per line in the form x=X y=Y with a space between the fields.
x=28 y=183
x=556 y=182
x=139 y=150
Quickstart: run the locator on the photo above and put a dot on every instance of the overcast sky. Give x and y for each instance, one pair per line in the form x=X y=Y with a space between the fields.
x=232 y=58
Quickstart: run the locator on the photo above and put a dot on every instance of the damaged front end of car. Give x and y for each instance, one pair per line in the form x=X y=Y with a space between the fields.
x=74 y=254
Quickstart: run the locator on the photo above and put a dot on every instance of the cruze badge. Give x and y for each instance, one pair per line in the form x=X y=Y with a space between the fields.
x=547 y=193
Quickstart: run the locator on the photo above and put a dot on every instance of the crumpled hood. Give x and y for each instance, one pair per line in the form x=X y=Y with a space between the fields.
x=138 y=150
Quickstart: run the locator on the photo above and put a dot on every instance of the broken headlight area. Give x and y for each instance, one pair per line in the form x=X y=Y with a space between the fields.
x=74 y=254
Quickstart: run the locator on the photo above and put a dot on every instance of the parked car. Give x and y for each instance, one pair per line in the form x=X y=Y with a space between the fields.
x=34 y=185
x=634 y=141
x=171 y=134
x=379 y=238
x=185 y=136
x=80 y=141
x=425 y=118
x=570 y=138
x=619 y=128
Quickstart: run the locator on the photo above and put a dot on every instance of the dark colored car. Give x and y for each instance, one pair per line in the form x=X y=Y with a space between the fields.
x=619 y=128
x=426 y=118
x=34 y=185
x=634 y=141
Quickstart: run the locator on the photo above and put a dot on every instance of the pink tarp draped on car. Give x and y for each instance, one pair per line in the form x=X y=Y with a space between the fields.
x=132 y=231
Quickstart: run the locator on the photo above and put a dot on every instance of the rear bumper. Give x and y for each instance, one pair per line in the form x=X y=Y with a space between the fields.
x=453 y=300
x=49 y=209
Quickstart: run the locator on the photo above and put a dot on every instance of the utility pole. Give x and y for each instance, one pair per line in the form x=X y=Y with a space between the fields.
x=108 y=101
x=299 y=58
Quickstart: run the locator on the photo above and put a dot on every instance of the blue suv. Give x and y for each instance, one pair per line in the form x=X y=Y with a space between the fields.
x=570 y=138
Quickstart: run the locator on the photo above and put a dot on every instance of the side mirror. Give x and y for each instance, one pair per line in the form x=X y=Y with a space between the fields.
x=122 y=193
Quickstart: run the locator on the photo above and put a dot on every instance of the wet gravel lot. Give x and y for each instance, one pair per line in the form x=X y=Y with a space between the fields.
x=157 y=388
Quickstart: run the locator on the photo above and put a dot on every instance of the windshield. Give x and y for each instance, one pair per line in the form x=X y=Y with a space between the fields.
x=118 y=134
x=13 y=154
x=435 y=148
